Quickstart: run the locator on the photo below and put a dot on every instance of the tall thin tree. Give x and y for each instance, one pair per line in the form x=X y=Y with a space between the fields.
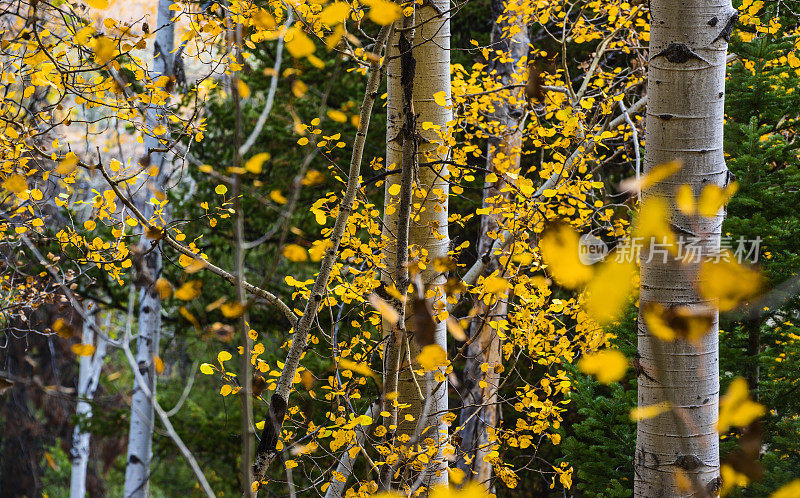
x=88 y=380
x=140 y=437
x=685 y=112
x=417 y=215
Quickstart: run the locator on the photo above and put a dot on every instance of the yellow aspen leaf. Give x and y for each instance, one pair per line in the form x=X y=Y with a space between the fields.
x=560 y=250
x=63 y=329
x=334 y=13
x=713 y=197
x=337 y=115
x=89 y=225
x=189 y=290
x=11 y=133
x=15 y=184
x=299 y=89
x=318 y=248
x=191 y=265
x=609 y=289
x=302 y=141
x=68 y=164
x=277 y=197
x=104 y=49
x=244 y=90
x=736 y=409
x=158 y=363
x=290 y=464
x=298 y=43
x=731 y=479
x=455 y=329
x=189 y=317
x=163 y=288
x=667 y=324
x=295 y=253
x=255 y=164
x=645 y=412
x=207 y=369
x=495 y=285
x=657 y=174
x=652 y=225
x=383 y=12
x=98 y=4
x=221 y=189
x=431 y=357
x=223 y=356
x=608 y=365
x=394 y=189
x=307 y=378
x=312 y=177
x=359 y=368
x=727 y=282
x=51 y=461
x=83 y=349
x=319 y=216
x=225 y=390
x=791 y=490
x=263 y=20
x=232 y=309
x=440 y=98
x=684 y=200
x=386 y=310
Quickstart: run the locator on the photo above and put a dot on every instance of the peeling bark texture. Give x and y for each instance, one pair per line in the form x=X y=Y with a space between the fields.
x=137 y=471
x=429 y=73
x=88 y=379
x=479 y=394
x=686 y=81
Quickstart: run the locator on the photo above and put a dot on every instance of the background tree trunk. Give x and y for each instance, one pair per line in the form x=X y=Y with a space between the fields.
x=427 y=227
x=141 y=429
x=88 y=379
x=685 y=111
x=503 y=156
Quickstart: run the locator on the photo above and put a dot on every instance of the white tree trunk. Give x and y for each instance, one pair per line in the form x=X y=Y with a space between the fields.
x=137 y=472
x=427 y=229
x=685 y=112
x=88 y=379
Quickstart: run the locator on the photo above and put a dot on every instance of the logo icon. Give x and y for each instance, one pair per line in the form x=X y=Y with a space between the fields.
x=591 y=249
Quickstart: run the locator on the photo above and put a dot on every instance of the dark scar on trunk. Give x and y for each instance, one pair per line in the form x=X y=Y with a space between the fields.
x=678 y=53
x=725 y=34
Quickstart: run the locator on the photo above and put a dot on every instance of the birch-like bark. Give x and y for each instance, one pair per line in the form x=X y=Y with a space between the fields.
x=510 y=36
x=427 y=223
x=88 y=379
x=685 y=88
x=140 y=437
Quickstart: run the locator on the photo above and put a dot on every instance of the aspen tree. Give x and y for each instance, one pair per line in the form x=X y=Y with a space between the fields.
x=685 y=112
x=419 y=70
x=141 y=428
x=88 y=380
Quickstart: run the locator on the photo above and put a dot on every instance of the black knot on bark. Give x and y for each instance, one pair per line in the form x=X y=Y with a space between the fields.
x=688 y=462
x=678 y=53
